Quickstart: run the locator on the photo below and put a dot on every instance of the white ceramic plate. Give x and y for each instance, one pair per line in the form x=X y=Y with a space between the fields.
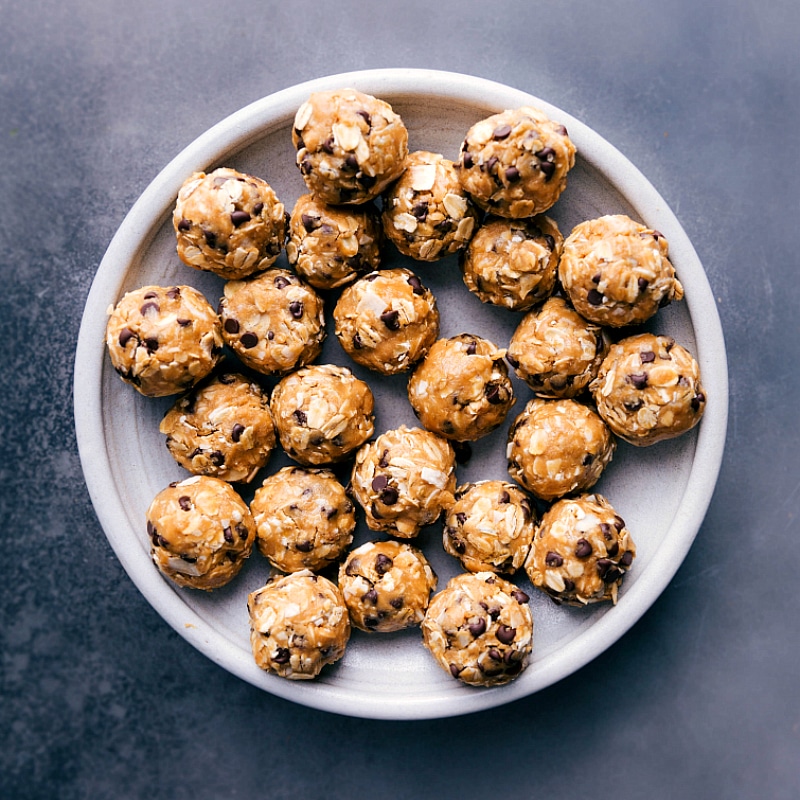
x=662 y=491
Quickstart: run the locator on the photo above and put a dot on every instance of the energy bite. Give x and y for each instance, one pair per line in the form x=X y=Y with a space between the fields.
x=461 y=390
x=515 y=164
x=403 y=480
x=581 y=551
x=490 y=526
x=616 y=271
x=274 y=322
x=228 y=223
x=303 y=519
x=556 y=351
x=387 y=321
x=426 y=213
x=201 y=532
x=480 y=629
x=648 y=389
x=556 y=447
x=513 y=263
x=322 y=413
x=163 y=339
x=350 y=145
x=386 y=586
x=298 y=624
x=221 y=428
x=330 y=246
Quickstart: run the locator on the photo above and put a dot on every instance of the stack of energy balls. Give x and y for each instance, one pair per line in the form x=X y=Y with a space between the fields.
x=574 y=294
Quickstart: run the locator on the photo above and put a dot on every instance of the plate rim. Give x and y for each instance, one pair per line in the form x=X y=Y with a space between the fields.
x=231 y=135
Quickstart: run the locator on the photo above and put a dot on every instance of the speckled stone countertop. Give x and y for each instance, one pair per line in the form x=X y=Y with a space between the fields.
x=99 y=698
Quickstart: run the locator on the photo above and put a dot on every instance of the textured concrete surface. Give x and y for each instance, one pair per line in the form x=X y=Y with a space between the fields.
x=99 y=698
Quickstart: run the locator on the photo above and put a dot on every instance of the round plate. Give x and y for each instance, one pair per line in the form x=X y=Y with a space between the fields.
x=661 y=491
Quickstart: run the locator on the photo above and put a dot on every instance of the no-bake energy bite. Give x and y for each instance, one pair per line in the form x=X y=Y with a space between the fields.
x=557 y=447
x=322 y=413
x=515 y=164
x=581 y=551
x=480 y=629
x=228 y=223
x=330 y=246
x=201 y=532
x=387 y=321
x=403 y=480
x=461 y=390
x=163 y=339
x=616 y=271
x=490 y=526
x=273 y=322
x=221 y=428
x=303 y=519
x=556 y=351
x=386 y=586
x=426 y=213
x=298 y=625
x=513 y=263
x=648 y=389
x=350 y=145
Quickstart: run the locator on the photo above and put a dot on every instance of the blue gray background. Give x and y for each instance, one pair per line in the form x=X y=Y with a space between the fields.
x=99 y=698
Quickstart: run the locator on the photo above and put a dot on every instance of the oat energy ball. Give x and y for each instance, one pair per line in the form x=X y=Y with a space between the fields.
x=228 y=223
x=490 y=526
x=581 y=551
x=557 y=447
x=221 y=428
x=322 y=413
x=556 y=351
x=426 y=213
x=201 y=532
x=648 y=389
x=298 y=624
x=403 y=480
x=461 y=390
x=387 y=321
x=616 y=271
x=163 y=339
x=350 y=145
x=515 y=164
x=480 y=629
x=303 y=518
x=386 y=586
x=513 y=263
x=273 y=322
x=330 y=246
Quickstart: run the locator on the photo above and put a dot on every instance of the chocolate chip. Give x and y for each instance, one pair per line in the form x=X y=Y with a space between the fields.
x=371 y=596
x=478 y=627
x=257 y=209
x=379 y=483
x=648 y=356
x=249 y=340
x=310 y=223
x=420 y=210
x=638 y=380
x=352 y=567
x=642 y=283
x=506 y=634
x=613 y=549
x=619 y=523
x=185 y=502
x=327 y=145
x=416 y=286
x=364 y=114
x=605 y=529
x=242 y=531
x=697 y=400
x=587 y=459
x=391 y=319
x=304 y=547
x=583 y=549
x=296 y=308
x=512 y=174
x=148 y=307
x=490 y=164
x=383 y=564
x=125 y=335
x=389 y=496
x=228 y=534
x=467 y=160
x=151 y=344
x=596 y=277
x=520 y=596
x=237 y=431
x=216 y=458
x=501 y=132
x=351 y=162
x=231 y=326
x=553 y=559
x=282 y=656
x=626 y=559
x=306 y=166
x=239 y=218
x=184 y=225
x=183 y=322
x=569 y=585
x=494 y=393
x=357 y=343
x=594 y=297
x=632 y=405
x=548 y=168
x=210 y=237
x=455 y=670
x=397 y=603
x=300 y=416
